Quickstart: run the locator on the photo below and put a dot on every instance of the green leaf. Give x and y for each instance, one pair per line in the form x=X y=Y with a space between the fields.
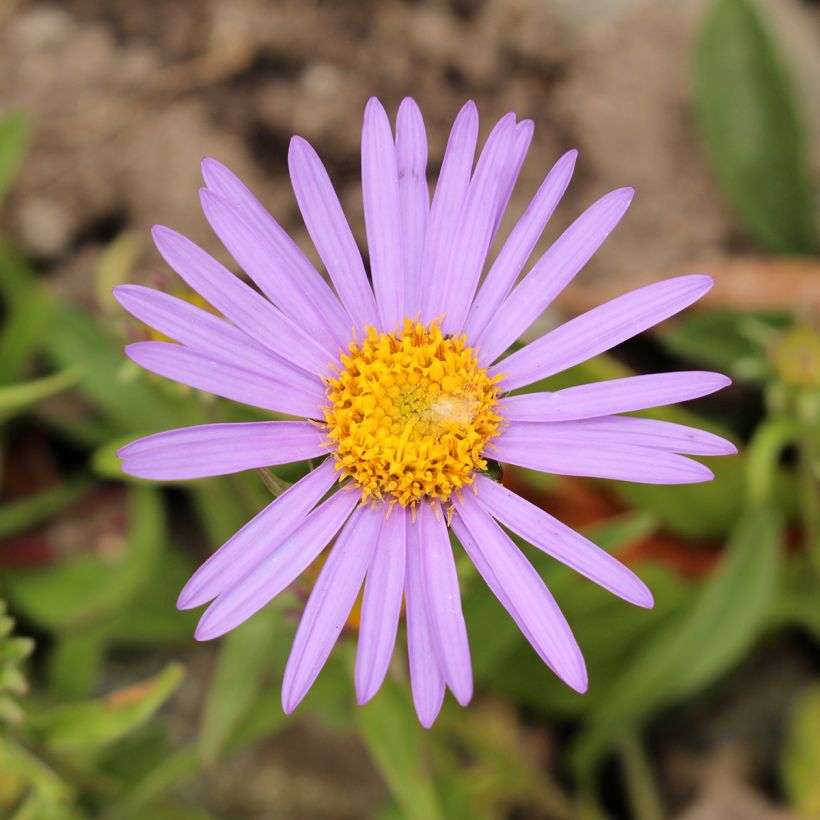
x=703 y=644
x=128 y=405
x=14 y=398
x=752 y=129
x=721 y=339
x=394 y=740
x=243 y=660
x=24 y=328
x=800 y=766
x=93 y=724
x=14 y=129
x=22 y=514
x=87 y=588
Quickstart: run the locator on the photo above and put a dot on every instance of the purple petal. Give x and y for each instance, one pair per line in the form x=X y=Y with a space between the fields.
x=257 y=539
x=289 y=257
x=553 y=271
x=551 y=451
x=241 y=304
x=330 y=232
x=614 y=431
x=521 y=591
x=380 y=194
x=518 y=151
x=330 y=603
x=381 y=606
x=414 y=197
x=443 y=601
x=518 y=247
x=426 y=678
x=471 y=241
x=559 y=541
x=613 y=396
x=198 y=329
x=600 y=329
x=220 y=449
x=270 y=390
x=449 y=196
x=279 y=568
x=257 y=253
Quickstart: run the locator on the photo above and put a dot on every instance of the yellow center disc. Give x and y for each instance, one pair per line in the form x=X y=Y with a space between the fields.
x=410 y=414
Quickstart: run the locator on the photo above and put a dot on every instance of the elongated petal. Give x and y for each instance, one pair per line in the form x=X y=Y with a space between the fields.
x=381 y=606
x=289 y=256
x=445 y=210
x=330 y=232
x=241 y=304
x=518 y=247
x=220 y=449
x=614 y=431
x=270 y=390
x=258 y=254
x=426 y=677
x=600 y=329
x=198 y=329
x=330 y=603
x=257 y=539
x=561 y=542
x=474 y=233
x=380 y=193
x=613 y=396
x=414 y=197
x=552 y=452
x=521 y=591
x=443 y=601
x=553 y=271
x=524 y=131
x=278 y=569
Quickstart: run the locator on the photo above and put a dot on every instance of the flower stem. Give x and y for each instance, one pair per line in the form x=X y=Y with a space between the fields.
x=640 y=784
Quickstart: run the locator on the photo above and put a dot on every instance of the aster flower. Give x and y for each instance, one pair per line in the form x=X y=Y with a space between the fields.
x=401 y=380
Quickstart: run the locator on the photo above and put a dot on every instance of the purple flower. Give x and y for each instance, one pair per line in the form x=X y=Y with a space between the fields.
x=400 y=379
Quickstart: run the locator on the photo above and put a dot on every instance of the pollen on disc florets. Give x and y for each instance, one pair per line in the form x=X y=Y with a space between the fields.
x=410 y=413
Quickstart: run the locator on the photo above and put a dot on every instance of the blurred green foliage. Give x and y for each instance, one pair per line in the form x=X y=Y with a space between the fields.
x=753 y=129
x=67 y=752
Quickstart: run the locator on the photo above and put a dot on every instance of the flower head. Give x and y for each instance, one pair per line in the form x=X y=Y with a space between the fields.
x=401 y=380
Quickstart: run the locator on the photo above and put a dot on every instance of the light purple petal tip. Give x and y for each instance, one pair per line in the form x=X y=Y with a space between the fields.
x=448 y=199
x=614 y=396
x=274 y=387
x=521 y=591
x=553 y=271
x=426 y=677
x=247 y=309
x=330 y=603
x=547 y=449
x=329 y=229
x=380 y=192
x=561 y=542
x=257 y=539
x=381 y=606
x=221 y=449
x=278 y=569
x=519 y=246
x=600 y=329
x=442 y=599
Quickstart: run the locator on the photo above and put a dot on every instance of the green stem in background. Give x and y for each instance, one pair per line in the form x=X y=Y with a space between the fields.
x=640 y=784
x=763 y=455
x=808 y=480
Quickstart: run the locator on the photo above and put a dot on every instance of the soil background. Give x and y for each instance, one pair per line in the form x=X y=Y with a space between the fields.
x=127 y=96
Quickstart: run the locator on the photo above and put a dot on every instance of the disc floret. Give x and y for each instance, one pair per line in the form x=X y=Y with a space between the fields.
x=410 y=414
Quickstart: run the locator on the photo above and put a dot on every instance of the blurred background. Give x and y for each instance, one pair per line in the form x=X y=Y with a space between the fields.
x=706 y=708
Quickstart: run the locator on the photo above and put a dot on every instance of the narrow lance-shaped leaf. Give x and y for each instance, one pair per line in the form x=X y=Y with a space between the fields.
x=752 y=128
x=715 y=633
